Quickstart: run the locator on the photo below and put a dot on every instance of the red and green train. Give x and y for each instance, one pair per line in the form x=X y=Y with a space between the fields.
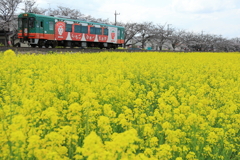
x=40 y=30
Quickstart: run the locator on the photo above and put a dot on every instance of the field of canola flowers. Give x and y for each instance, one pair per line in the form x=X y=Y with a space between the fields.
x=106 y=106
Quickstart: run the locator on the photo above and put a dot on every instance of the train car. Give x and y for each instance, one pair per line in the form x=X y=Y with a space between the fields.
x=40 y=30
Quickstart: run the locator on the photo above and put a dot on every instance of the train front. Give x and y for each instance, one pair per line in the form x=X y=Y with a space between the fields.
x=26 y=28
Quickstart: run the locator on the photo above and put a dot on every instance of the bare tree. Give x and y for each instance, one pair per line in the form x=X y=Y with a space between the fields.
x=189 y=40
x=209 y=42
x=204 y=42
x=92 y=19
x=176 y=38
x=147 y=32
x=161 y=35
x=31 y=7
x=106 y=21
x=131 y=30
x=28 y=5
x=76 y=14
x=38 y=10
x=236 y=43
x=65 y=11
x=223 y=44
x=7 y=11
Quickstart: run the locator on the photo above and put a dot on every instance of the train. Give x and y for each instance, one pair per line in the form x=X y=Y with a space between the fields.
x=51 y=31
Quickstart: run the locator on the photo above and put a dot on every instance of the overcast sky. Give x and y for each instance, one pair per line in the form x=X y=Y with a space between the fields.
x=220 y=17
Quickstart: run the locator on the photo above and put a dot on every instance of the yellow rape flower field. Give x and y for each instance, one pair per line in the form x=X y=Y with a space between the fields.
x=107 y=106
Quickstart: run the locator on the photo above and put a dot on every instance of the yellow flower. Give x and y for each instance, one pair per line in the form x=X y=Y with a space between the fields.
x=207 y=149
x=9 y=53
x=34 y=142
x=148 y=152
x=166 y=125
x=104 y=125
x=138 y=102
x=153 y=142
x=117 y=105
x=164 y=152
x=18 y=136
x=148 y=130
x=150 y=95
x=212 y=138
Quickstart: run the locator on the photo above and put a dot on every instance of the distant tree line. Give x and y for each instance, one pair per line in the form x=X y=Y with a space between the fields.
x=160 y=35
x=157 y=35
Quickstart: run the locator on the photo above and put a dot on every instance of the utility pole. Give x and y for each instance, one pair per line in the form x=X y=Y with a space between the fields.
x=49 y=9
x=168 y=28
x=116 y=17
x=202 y=41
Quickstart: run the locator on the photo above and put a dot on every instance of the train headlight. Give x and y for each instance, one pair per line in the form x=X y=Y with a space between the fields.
x=25 y=15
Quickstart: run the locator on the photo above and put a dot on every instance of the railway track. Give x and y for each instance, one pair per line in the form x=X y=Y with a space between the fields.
x=20 y=50
x=51 y=50
x=64 y=50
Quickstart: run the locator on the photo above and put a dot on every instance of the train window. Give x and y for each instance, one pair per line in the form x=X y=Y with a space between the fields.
x=31 y=22
x=92 y=30
x=51 y=26
x=41 y=24
x=37 y=23
x=20 y=23
x=24 y=23
x=77 y=29
x=68 y=27
x=84 y=29
x=105 y=31
x=119 y=33
x=99 y=31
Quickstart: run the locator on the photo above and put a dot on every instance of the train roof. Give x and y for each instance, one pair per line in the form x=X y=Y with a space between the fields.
x=67 y=19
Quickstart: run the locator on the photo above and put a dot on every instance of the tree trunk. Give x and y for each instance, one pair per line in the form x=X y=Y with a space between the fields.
x=143 y=36
x=124 y=45
x=13 y=38
x=6 y=37
x=160 y=47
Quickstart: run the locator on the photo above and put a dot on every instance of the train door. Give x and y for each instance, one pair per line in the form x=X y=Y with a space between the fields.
x=46 y=28
x=119 y=36
x=122 y=35
x=40 y=32
x=24 y=27
x=51 y=29
x=41 y=28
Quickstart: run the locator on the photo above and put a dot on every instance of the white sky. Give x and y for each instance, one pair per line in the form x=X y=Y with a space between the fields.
x=220 y=17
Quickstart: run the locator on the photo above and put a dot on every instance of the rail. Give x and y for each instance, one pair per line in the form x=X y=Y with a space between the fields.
x=79 y=50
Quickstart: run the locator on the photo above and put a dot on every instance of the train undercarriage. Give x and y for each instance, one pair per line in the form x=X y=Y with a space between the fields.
x=41 y=43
